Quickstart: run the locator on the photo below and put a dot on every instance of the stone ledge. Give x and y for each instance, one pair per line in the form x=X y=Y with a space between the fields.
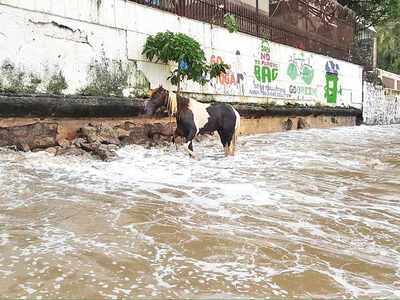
x=47 y=106
x=290 y=110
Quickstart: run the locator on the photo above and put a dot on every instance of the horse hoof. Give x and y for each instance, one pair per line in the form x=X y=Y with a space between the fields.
x=195 y=156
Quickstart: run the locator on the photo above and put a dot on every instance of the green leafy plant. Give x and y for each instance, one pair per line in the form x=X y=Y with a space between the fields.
x=186 y=53
x=230 y=22
x=57 y=84
x=107 y=78
x=13 y=80
x=33 y=83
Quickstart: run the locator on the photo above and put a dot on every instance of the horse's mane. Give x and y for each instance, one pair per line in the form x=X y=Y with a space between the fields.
x=172 y=104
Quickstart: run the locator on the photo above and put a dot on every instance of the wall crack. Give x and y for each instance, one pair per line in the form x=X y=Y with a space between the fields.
x=85 y=41
x=54 y=24
x=62 y=32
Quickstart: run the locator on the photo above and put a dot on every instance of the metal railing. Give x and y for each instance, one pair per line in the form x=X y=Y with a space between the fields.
x=311 y=25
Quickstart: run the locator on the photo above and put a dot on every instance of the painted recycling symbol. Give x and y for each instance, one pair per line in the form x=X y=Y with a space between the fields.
x=307 y=74
x=292 y=71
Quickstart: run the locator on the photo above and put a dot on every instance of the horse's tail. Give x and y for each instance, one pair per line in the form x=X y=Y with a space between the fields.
x=236 y=132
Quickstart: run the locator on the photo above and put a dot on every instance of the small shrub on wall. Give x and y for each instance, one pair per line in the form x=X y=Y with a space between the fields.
x=231 y=23
x=57 y=84
x=16 y=81
x=186 y=54
x=107 y=78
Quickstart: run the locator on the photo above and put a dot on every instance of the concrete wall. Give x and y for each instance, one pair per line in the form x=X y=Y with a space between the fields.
x=378 y=107
x=47 y=36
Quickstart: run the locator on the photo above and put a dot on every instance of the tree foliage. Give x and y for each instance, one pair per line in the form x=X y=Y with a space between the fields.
x=186 y=53
x=388 y=40
x=373 y=12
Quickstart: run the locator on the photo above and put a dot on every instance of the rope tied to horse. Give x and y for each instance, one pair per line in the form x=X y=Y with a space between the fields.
x=171 y=108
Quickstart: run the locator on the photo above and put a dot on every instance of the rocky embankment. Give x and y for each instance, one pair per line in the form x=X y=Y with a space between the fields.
x=98 y=140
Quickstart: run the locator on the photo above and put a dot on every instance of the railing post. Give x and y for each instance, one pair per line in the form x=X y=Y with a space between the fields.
x=224 y=11
x=257 y=19
x=180 y=7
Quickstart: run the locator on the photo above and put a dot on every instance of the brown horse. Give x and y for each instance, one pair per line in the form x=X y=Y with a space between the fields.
x=194 y=118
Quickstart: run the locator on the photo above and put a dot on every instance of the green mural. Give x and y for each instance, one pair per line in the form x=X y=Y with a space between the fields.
x=308 y=74
x=265 y=71
x=300 y=67
x=332 y=88
x=292 y=71
x=265 y=46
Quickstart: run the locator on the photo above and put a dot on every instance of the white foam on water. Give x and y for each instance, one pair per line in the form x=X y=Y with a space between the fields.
x=4 y=239
x=331 y=190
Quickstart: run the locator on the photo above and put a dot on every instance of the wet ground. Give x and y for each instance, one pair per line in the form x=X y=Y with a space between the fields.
x=313 y=213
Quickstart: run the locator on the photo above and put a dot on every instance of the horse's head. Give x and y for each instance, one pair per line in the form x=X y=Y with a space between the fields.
x=158 y=98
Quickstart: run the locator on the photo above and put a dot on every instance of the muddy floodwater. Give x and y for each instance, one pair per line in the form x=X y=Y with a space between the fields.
x=313 y=213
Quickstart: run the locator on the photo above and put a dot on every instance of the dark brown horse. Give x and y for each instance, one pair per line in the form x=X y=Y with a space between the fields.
x=194 y=118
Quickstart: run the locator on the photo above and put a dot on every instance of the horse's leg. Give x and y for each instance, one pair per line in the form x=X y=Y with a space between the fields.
x=223 y=141
x=185 y=124
x=234 y=140
x=226 y=138
x=174 y=139
x=235 y=131
x=226 y=150
x=188 y=143
x=177 y=133
x=188 y=146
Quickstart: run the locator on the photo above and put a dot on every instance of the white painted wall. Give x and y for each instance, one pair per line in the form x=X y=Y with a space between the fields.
x=44 y=36
x=379 y=108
